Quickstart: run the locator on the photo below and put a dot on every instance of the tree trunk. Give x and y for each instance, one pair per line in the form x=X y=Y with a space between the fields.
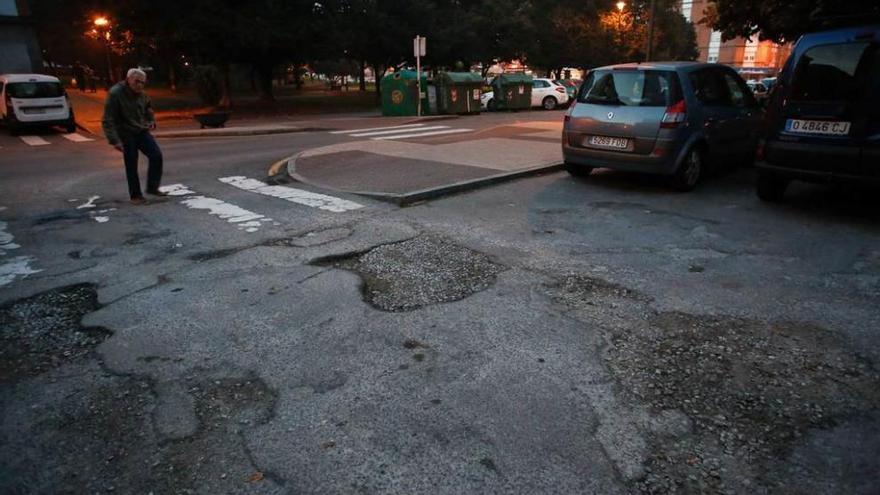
x=264 y=72
x=226 y=98
x=380 y=70
x=172 y=76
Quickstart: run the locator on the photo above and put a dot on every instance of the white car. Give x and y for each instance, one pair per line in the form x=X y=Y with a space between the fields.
x=545 y=94
x=30 y=100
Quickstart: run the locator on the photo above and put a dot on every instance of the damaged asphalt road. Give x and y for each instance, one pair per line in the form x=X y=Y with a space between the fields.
x=476 y=344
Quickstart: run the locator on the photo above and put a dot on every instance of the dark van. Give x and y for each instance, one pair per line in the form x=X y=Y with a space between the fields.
x=823 y=118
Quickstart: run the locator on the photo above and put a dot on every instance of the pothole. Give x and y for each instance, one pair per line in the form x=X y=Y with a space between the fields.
x=419 y=272
x=752 y=391
x=577 y=289
x=41 y=332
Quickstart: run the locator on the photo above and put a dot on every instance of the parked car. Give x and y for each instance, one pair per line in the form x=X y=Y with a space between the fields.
x=546 y=94
x=571 y=87
x=668 y=118
x=823 y=121
x=31 y=100
x=768 y=83
x=758 y=88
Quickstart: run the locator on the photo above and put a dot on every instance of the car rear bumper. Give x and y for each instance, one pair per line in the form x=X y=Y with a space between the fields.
x=662 y=160
x=813 y=158
x=40 y=123
x=818 y=176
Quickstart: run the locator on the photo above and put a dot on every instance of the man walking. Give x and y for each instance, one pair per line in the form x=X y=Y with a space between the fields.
x=128 y=119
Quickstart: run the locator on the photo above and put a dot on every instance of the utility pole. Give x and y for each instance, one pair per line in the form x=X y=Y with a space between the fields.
x=419 y=52
x=650 y=49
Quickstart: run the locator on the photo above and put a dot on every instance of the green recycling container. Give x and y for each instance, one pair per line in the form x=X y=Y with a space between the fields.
x=400 y=93
x=458 y=92
x=512 y=91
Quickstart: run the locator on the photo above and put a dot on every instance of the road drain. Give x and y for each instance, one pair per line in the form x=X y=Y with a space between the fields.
x=419 y=272
x=41 y=332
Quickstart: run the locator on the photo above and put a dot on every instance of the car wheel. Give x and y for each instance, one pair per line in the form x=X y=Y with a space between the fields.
x=549 y=103
x=578 y=170
x=690 y=171
x=770 y=188
x=491 y=105
x=70 y=127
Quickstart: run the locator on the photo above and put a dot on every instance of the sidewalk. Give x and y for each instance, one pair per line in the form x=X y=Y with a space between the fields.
x=408 y=170
x=251 y=118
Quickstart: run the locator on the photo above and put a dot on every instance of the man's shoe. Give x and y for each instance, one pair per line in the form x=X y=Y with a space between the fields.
x=138 y=201
x=157 y=193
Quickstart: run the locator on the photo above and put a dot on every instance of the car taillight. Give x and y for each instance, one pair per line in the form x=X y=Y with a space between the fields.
x=675 y=114
x=560 y=89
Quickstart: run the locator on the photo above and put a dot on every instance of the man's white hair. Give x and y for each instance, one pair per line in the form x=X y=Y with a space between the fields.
x=135 y=72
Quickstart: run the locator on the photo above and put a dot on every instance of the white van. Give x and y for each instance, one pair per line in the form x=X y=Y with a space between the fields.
x=29 y=100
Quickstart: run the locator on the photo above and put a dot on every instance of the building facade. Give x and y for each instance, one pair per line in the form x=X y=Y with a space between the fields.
x=750 y=57
x=19 y=48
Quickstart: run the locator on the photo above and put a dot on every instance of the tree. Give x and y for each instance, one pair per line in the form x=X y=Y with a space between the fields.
x=786 y=20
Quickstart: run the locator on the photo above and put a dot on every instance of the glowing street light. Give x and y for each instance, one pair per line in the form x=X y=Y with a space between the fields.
x=103 y=24
x=620 y=6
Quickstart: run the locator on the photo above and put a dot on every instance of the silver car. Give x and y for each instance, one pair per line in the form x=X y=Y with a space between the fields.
x=670 y=118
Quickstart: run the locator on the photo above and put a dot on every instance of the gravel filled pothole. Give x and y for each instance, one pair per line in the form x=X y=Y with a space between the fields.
x=41 y=332
x=419 y=272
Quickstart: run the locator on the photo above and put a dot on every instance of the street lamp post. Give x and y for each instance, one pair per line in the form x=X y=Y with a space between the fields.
x=620 y=21
x=102 y=28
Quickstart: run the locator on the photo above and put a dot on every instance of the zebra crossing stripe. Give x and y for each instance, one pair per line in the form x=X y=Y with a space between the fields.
x=422 y=134
x=399 y=131
x=408 y=126
x=76 y=138
x=245 y=220
x=307 y=198
x=33 y=140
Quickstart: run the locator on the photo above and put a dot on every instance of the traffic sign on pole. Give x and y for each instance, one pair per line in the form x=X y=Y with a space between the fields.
x=419 y=52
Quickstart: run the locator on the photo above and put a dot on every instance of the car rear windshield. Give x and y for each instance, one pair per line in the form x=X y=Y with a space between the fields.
x=831 y=73
x=34 y=90
x=634 y=88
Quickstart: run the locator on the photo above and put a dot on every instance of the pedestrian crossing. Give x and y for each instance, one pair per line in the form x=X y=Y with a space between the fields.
x=248 y=220
x=408 y=131
x=32 y=140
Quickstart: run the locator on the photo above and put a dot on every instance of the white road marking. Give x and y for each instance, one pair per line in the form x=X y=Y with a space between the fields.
x=377 y=128
x=34 y=140
x=16 y=267
x=423 y=134
x=176 y=190
x=315 y=200
x=88 y=204
x=76 y=138
x=101 y=219
x=243 y=219
x=399 y=131
x=13 y=268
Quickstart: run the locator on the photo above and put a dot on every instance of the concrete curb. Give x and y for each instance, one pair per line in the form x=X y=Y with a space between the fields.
x=285 y=169
x=232 y=132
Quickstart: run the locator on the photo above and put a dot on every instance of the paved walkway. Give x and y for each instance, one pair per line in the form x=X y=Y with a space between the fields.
x=404 y=163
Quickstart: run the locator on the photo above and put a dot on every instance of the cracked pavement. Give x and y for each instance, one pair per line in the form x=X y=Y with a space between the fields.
x=550 y=335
